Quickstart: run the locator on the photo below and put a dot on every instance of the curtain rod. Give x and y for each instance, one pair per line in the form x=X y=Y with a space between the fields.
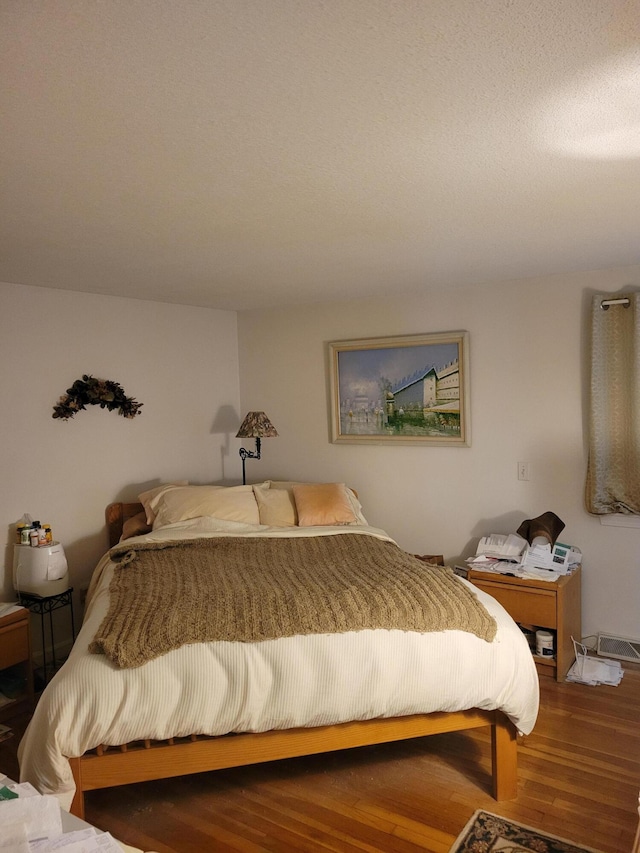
x=623 y=301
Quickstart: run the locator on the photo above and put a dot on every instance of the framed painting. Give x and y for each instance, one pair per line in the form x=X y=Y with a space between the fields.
x=403 y=390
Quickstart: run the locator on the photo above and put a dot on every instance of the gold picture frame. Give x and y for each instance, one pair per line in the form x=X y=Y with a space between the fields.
x=412 y=389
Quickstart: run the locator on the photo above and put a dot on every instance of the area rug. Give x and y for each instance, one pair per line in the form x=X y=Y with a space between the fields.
x=490 y=833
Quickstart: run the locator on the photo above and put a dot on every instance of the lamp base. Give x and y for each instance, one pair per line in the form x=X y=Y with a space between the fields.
x=248 y=454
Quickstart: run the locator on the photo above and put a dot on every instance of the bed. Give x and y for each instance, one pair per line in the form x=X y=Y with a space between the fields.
x=123 y=709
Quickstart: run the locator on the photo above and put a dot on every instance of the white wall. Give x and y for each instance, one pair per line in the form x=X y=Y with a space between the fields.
x=528 y=380
x=180 y=362
x=528 y=398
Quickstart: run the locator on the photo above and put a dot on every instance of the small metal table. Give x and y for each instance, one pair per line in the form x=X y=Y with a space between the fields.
x=43 y=605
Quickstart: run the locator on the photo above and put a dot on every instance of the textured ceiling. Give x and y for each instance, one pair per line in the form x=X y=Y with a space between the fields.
x=250 y=153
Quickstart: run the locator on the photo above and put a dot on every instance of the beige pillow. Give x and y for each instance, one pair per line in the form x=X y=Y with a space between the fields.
x=323 y=503
x=288 y=485
x=352 y=496
x=149 y=498
x=277 y=507
x=135 y=526
x=230 y=503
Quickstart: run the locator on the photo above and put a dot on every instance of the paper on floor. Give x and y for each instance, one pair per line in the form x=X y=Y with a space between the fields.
x=31 y=823
x=593 y=671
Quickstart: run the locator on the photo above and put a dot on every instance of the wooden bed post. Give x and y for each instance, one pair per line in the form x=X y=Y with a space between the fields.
x=504 y=758
x=77 y=804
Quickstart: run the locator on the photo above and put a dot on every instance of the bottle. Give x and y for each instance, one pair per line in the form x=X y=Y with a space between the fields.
x=42 y=536
x=544 y=644
x=48 y=534
x=33 y=537
x=20 y=527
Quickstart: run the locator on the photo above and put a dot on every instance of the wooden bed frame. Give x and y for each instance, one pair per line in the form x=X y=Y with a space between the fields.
x=144 y=761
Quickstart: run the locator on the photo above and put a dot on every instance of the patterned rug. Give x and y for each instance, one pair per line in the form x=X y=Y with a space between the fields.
x=490 y=833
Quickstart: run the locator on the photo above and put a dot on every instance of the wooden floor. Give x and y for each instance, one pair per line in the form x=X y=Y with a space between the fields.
x=579 y=778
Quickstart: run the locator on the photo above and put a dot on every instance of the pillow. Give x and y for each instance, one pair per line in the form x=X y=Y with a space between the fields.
x=148 y=499
x=230 y=503
x=323 y=503
x=135 y=526
x=277 y=507
x=288 y=485
x=283 y=484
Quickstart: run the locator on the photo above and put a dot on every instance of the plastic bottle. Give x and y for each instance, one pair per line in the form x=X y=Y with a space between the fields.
x=544 y=643
x=27 y=523
x=20 y=527
x=48 y=534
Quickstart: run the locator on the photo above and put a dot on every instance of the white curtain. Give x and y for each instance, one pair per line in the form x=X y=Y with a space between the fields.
x=613 y=473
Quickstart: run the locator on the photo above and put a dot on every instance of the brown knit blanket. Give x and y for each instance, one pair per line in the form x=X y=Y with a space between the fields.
x=166 y=594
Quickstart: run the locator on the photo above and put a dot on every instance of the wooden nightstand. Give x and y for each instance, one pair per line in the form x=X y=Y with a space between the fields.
x=556 y=606
x=15 y=660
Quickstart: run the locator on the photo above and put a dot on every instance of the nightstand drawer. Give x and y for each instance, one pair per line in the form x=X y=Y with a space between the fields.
x=537 y=607
x=14 y=644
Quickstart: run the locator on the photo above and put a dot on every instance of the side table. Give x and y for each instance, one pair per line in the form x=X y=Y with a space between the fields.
x=42 y=605
x=15 y=660
x=556 y=605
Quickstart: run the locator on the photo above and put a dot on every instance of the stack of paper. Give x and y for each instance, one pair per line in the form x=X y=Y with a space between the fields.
x=593 y=671
x=32 y=823
x=482 y=563
x=504 y=546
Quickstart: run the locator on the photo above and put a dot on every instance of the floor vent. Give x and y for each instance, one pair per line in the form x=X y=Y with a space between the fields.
x=622 y=648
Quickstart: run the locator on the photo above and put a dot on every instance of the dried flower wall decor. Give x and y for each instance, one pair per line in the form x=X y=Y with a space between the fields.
x=90 y=391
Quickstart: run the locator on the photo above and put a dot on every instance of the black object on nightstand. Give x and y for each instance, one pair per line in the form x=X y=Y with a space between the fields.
x=42 y=605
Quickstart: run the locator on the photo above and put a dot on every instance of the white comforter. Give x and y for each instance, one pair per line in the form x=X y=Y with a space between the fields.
x=216 y=688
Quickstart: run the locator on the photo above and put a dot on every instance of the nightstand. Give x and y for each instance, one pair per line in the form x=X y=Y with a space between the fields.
x=15 y=662
x=534 y=604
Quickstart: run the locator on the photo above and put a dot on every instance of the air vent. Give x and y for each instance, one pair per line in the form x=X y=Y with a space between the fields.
x=622 y=648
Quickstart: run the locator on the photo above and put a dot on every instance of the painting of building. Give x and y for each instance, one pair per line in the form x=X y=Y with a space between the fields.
x=400 y=390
